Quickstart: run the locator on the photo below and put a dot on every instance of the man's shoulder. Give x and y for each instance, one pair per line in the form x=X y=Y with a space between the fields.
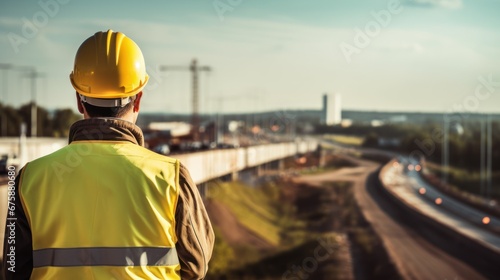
x=73 y=154
x=57 y=154
x=58 y=160
x=151 y=155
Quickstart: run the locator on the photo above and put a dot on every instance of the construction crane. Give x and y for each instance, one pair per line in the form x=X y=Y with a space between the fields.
x=195 y=69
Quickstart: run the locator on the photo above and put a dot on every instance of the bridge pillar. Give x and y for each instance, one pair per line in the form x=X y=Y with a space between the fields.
x=234 y=175
x=281 y=164
x=322 y=156
x=260 y=170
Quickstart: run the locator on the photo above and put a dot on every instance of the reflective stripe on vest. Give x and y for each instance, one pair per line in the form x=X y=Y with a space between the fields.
x=103 y=256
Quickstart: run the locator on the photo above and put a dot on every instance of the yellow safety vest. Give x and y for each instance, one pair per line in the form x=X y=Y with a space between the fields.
x=102 y=210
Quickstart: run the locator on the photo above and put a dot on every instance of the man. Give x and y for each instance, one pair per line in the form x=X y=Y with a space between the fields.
x=104 y=207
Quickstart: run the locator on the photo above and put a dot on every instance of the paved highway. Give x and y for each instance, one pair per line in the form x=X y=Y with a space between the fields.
x=414 y=255
x=408 y=186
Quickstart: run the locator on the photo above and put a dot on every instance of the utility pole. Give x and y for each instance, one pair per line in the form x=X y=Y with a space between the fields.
x=482 y=171
x=5 y=67
x=445 y=152
x=220 y=116
x=219 y=131
x=489 y=157
x=33 y=75
x=34 y=111
x=486 y=156
x=195 y=69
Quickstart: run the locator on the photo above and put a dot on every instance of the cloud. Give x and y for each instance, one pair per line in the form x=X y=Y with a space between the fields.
x=9 y=22
x=447 y=4
x=393 y=46
x=290 y=61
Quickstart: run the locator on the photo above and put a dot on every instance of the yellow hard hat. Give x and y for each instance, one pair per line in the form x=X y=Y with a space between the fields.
x=108 y=65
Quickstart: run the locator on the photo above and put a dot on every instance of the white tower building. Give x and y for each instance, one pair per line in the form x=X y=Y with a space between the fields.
x=332 y=109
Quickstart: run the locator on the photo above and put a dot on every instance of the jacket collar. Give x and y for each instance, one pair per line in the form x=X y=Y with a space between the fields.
x=110 y=129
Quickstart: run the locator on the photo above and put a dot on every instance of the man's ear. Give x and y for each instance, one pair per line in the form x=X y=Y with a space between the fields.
x=79 y=104
x=137 y=102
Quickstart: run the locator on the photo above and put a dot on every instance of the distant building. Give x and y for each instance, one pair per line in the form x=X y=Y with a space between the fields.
x=331 y=113
x=175 y=129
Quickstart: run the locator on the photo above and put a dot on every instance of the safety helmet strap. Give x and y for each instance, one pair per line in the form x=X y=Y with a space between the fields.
x=100 y=102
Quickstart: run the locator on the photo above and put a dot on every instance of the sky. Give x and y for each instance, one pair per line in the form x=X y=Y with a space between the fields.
x=379 y=55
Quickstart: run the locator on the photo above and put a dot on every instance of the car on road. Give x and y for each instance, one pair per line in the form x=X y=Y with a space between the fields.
x=3 y=164
x=162 y=149
x=7 y=160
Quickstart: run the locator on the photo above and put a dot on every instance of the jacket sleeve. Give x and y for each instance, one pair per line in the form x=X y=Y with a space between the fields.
x=193 y=228
x=17 y=243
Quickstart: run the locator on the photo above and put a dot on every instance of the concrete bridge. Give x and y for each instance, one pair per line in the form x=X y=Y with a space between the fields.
x=203 y=166
x=213 y=164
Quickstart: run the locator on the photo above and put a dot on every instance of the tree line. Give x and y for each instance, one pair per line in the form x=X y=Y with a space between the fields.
x=426 y=139
x=54 y=123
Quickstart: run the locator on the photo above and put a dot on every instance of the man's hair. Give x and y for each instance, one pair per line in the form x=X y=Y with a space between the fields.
x=112 y=112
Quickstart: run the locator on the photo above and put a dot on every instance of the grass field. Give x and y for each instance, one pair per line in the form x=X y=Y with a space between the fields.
x=260 y=211
x=253 y=206
x=345 y=139
x=465 y=180
x=297 y=219
x=264 y=211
